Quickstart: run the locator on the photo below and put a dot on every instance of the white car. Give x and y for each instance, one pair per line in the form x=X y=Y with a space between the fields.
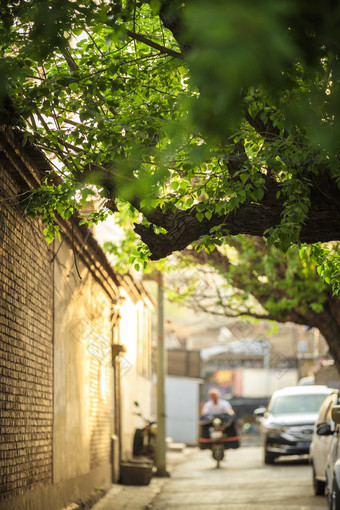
x=287 y=424
x=323 y=431
x=333 y=464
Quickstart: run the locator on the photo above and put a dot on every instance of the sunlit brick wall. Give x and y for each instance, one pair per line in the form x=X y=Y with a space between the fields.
x=25 y=346
x=100 y=413
x=83 y=421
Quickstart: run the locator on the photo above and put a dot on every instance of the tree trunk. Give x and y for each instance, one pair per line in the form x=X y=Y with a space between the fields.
x=328 y=323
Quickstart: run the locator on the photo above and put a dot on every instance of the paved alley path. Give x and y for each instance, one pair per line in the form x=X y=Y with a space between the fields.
x=243 y=482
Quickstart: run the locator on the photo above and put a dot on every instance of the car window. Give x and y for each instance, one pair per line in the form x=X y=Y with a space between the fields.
x=291 y=404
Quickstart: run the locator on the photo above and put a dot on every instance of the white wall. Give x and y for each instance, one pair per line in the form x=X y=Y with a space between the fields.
x=182 y=409
x=258 y=382
x=134 y=386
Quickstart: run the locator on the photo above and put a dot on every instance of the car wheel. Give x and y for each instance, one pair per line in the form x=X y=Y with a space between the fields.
x=269 y=457
x=318 y=486
x=334 y=497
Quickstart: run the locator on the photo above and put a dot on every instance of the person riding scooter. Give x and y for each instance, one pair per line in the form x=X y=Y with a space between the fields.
x=216 y=405
x=218 y=428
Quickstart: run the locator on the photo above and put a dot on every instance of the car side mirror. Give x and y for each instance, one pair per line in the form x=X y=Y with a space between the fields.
x=259 y=412
x=336 y=414
x=323 y=429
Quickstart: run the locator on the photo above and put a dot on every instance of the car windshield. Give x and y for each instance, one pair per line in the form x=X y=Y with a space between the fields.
x=293 y=404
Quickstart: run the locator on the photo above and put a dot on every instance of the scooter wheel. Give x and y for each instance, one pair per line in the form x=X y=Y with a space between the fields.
x=218 y=454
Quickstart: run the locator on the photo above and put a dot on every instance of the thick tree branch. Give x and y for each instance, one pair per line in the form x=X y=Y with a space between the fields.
x=171 y=15
x=183 y=227
x=237 y=158
x=265 y=129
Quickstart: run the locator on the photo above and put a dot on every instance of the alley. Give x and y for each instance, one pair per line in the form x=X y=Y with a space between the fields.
x=242 y=483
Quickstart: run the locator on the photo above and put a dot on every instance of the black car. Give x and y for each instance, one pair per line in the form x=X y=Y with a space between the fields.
x=287 y=424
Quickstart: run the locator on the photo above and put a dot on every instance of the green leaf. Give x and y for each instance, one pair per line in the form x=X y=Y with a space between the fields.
x=155 y=6
x=73 y=86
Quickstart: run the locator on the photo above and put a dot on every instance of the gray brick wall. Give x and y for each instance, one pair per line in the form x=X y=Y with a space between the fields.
x=26 y=346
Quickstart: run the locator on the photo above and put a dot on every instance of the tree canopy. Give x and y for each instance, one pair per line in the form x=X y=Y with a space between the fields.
x=253 y=281
x=246 y=278
x=207 y=118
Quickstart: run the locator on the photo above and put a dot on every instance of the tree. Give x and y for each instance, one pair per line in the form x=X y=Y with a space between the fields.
x=234 y=103
x=254 y=281
x=206 y=119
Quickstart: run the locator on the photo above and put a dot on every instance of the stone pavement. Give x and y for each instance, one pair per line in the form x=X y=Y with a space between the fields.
x=131 y=497
x=242 y=483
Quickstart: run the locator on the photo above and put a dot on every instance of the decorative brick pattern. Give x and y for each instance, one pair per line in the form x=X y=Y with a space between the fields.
x=100 y=415
x=26 y=346
x=99 y=330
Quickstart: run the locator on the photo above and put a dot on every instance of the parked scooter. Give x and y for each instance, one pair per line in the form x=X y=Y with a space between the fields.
x=144 y=439
x=218 y=432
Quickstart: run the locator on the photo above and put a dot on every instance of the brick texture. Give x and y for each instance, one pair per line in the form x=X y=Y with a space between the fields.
x=26 y=346
x=100 y=380
x=100 y=416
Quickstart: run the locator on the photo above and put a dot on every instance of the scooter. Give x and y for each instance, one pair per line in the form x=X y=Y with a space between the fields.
x=144 y=439
x=218 y=432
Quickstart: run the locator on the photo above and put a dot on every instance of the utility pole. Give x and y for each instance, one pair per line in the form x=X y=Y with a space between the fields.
x=160 y=452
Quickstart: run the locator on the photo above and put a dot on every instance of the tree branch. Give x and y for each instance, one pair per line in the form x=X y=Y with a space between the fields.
x=183 y=227
x=265 y=129
x=152 y=44
x=215 y=258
